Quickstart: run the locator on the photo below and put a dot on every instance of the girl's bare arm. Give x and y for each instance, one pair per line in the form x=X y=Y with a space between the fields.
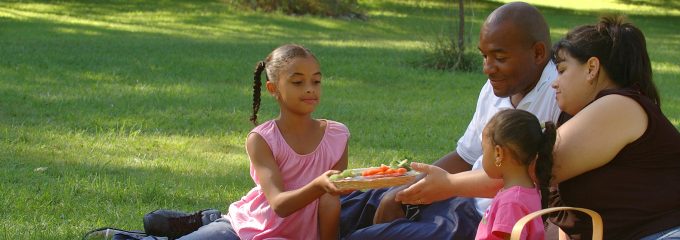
x=282 y=202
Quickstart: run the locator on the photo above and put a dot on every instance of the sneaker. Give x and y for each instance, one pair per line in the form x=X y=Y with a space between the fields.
x=124 y=236
x=412 y=212
x=210 y=215
x=174 y=224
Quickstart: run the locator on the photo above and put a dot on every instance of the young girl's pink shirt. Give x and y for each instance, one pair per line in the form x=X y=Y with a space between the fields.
x=253 y=218
x=507 y=208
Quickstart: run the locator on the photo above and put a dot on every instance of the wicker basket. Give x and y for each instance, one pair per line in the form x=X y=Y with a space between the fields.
x=359 y=183
x=596 y=219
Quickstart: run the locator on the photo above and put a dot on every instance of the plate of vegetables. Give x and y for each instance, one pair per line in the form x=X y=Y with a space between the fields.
x=398 y=172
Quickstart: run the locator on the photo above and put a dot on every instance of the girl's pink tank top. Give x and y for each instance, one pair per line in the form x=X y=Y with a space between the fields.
x=253 y=218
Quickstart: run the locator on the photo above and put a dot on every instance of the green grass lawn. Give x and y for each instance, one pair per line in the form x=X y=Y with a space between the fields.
x=110 y=110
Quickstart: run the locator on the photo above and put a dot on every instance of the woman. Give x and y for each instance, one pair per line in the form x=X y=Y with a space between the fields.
x=618 y=154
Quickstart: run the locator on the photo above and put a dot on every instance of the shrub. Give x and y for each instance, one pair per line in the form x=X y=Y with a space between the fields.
x=442 y=53
x=328 y=8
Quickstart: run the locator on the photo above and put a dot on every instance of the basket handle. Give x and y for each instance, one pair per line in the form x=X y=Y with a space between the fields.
x=597 y=221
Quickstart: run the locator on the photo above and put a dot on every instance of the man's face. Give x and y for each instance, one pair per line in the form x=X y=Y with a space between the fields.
x=508 y=59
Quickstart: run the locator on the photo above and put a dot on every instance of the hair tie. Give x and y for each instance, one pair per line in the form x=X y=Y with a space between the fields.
x=261 y=64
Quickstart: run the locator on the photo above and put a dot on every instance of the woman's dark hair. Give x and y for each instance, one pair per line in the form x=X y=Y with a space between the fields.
x=275 y=61
x=521 y=132
x=621 y=49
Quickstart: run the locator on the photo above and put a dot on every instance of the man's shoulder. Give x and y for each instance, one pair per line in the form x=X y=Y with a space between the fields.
x=487 y=92
x=549 y=74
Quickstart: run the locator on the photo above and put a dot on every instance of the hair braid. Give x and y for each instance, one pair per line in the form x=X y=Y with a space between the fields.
x=544 y=163
x=257 y=85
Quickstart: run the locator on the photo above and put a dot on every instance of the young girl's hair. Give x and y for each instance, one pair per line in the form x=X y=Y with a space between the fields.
x=275 y=61
x=520 y=131
x=621 y=49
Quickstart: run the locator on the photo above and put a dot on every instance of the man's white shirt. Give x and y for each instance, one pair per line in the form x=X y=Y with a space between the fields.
x=540 y=101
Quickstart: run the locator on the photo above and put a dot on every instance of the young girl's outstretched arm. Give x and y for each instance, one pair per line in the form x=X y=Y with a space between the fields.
x=329 y=207
x=284 y=202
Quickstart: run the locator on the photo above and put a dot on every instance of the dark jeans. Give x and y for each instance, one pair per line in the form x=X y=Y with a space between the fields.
x=673 y=233
x=454 y=218
x=220 y=229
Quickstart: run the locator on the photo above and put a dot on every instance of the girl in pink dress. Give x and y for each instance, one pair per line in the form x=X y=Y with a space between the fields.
x=516 y=150
x=291 y=156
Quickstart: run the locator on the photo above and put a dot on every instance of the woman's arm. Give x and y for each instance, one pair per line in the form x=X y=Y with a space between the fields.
x=596 y=134
x=283 y=202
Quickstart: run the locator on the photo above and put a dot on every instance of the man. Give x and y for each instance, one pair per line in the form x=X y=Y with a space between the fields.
x=515 y=43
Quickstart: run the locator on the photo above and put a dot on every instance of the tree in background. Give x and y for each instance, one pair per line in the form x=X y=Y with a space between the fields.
x=461 y=33
x=447 y=51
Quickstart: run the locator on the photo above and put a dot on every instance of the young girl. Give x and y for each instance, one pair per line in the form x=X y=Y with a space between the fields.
x=292 y=156
x=516 y=150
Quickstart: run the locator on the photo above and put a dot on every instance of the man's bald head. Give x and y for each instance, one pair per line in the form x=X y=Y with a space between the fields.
x=526 y=20
x=515 y=43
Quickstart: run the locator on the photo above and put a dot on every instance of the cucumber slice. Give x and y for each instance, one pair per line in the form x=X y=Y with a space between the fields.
x=405 y=164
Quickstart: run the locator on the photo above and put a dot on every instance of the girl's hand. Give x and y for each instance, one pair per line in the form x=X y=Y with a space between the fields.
x=324 y=183
x=428 y=189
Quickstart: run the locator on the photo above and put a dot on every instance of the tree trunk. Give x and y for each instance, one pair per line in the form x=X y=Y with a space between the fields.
x=461 y=31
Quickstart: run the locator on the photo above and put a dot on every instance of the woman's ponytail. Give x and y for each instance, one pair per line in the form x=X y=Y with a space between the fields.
x=544 y=163
x=257 y=85
x=629 y=61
